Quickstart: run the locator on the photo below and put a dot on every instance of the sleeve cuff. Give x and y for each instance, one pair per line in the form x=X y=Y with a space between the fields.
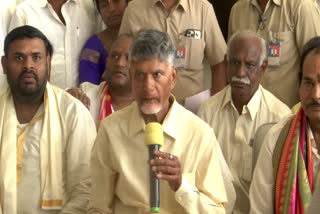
x=185 y=188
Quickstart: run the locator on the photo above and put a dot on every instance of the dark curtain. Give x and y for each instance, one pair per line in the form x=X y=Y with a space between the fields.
x=222 y=9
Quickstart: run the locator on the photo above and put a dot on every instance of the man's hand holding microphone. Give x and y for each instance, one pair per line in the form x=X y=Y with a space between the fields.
x=163 y=165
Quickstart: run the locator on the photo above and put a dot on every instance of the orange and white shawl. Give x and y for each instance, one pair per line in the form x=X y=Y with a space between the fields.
x=105 y=108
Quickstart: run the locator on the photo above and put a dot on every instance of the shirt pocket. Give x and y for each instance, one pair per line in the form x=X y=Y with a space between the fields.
x=195 y=53
x=288 y=49
x=246 y=172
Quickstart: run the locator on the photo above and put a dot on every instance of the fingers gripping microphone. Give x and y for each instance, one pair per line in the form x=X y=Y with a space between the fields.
x=154 y=139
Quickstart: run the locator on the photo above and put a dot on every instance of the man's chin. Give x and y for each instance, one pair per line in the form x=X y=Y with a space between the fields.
x=313 y=114
x=147 y=109
x=28 y=89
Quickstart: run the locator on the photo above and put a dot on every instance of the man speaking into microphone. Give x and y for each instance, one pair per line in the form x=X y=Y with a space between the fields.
x=187 y=165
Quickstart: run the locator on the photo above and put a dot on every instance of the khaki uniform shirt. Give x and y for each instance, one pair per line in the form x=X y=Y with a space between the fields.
x=235 y=133
x=262 y=186
x=292 y=23
x=188 y=14
x=120 y=169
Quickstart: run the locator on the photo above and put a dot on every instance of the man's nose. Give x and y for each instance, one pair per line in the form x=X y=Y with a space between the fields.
x=122 y=61
x=316 y=92
x=241 y=71
x=148 y=82
x=28 y=63
x=111 y=6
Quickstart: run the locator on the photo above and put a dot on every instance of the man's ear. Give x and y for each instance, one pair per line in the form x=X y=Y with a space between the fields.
x=225 y=60
x=4 y=64
x=174 y=72
x=264 y=65
x=49 y=66
x=130 y=73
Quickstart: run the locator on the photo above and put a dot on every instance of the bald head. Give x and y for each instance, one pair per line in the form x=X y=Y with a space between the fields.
x=248 y=36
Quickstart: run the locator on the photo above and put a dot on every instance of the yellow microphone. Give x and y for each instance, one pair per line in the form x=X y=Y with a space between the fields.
x=153 y=138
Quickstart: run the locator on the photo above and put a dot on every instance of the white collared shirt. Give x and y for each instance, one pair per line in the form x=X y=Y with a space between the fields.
x=82 y=21
x=6 y=10
x=235 y=133
x=120 y=169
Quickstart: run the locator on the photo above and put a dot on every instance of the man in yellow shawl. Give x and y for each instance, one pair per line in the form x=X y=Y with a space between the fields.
x=46 y=135
x=283 y=181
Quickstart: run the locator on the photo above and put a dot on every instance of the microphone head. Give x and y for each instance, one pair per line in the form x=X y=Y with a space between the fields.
x=153 y=134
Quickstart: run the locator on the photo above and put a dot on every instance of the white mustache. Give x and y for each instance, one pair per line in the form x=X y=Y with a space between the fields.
x=241 y=80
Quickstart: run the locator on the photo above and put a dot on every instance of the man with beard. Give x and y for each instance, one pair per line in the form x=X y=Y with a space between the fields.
x=288 y=163
x=115 y=92
x=236 y=113
x=188 y=168
x=46 y=135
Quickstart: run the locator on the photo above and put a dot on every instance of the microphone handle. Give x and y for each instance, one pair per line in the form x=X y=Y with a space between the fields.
x=154 y=183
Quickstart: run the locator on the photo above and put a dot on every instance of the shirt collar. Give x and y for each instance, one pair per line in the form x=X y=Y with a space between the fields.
x=43 y=3
x=252 y=107
x=313 y=143
x=181 y=4
x=254 y=103
x=170 y=123
x=276 y=2
x=227 y=97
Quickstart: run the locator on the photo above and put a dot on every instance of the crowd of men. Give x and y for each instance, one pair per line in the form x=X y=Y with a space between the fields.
x=77 y=148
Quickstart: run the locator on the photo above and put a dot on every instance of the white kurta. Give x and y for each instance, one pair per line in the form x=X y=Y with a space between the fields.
x=77 y=132
x=6 y=11
x=82 y=20
x=28 y=190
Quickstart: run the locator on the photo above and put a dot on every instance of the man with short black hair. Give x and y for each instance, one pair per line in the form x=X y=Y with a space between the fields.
x=289 y=160
x=46 y=135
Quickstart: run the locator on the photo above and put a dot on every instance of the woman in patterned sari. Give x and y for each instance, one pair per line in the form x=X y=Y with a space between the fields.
x=95 y=51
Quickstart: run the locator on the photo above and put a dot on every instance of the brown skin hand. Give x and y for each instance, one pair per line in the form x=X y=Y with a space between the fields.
x=167 y=169
x=152 y=82
x=80 y=95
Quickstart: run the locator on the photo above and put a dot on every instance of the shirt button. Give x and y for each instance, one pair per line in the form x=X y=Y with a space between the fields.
x=168 y=19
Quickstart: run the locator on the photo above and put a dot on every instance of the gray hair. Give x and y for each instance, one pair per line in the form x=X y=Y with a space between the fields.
x=249 y=34
x=149 y=44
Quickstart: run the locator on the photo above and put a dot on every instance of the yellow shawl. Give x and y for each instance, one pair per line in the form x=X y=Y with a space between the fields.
x=51 y=144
